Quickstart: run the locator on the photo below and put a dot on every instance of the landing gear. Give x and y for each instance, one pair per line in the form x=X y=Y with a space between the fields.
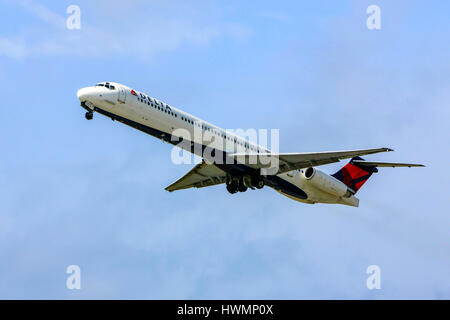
x=232 y=185
x=258 y=182
x=252 y=182
x=242 y=183
x=89 y=115
x=232 y=188
x=242 y=187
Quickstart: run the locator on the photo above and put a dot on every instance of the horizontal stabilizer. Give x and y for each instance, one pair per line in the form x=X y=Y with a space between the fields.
x=385 y=164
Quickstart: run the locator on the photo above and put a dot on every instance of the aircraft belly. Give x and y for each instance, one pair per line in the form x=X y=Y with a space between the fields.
x=134 y=120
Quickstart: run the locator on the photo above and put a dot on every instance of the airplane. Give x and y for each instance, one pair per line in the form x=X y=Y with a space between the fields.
x=228 y=162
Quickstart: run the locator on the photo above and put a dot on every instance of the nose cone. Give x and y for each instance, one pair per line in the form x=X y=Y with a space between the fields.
x=85 y=94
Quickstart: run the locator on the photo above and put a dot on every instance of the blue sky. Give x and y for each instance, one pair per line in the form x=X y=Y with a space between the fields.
x=91 y=193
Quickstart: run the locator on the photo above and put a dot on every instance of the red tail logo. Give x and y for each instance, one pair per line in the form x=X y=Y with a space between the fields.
x=354 y=175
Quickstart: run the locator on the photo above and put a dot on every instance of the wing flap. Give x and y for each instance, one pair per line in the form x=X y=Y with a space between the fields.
x=202 y=175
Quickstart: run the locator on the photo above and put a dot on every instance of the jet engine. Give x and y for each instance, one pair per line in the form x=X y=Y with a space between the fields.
x=326 y=183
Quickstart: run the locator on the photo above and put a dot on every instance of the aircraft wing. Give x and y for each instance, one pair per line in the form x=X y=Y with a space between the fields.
x=205 y=175
x=294 y=161
x=202 y=175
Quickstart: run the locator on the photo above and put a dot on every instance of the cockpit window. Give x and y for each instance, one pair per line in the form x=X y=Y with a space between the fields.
x=106 y=85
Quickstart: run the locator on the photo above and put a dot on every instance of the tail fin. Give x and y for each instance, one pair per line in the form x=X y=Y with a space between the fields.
x=355 y=174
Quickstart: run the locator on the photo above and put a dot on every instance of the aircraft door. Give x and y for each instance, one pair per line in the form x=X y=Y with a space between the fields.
x=122 y=95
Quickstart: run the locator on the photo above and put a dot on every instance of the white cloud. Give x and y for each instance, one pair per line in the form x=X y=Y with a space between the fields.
x=12 y=49
x=43 y=13
x=141 y=34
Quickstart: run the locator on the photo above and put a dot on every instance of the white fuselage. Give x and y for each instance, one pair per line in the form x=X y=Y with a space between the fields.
x=155 y=117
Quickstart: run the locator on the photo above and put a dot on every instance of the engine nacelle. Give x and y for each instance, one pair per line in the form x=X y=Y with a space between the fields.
x=326 y=183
